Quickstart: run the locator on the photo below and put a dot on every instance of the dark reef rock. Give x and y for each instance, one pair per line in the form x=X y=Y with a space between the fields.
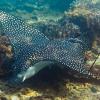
x=6 y=55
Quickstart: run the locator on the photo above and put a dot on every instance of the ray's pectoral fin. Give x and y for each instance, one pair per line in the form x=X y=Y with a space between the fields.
x=33 y=70
x=78 y=67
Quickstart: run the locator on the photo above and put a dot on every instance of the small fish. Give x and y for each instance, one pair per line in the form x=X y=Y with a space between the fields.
x=33 y=50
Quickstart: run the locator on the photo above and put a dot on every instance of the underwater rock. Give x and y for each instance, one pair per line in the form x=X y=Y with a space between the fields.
x=6 y=55
x=58 y=29
x=71 y=90
x=93 y=89
x=35 y=18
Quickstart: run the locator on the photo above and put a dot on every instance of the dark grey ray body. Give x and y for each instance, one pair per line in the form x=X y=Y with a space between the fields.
x=31 y=47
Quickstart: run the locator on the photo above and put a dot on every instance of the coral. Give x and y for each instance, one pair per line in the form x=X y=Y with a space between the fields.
x=6 y=54
x=88 y=13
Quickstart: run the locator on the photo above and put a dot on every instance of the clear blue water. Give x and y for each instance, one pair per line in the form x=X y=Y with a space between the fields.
x=31 y=6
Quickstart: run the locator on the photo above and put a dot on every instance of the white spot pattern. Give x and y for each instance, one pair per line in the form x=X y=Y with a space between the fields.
x=30 y=44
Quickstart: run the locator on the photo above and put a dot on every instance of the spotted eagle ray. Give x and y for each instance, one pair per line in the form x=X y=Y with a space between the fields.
x=33 y=51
